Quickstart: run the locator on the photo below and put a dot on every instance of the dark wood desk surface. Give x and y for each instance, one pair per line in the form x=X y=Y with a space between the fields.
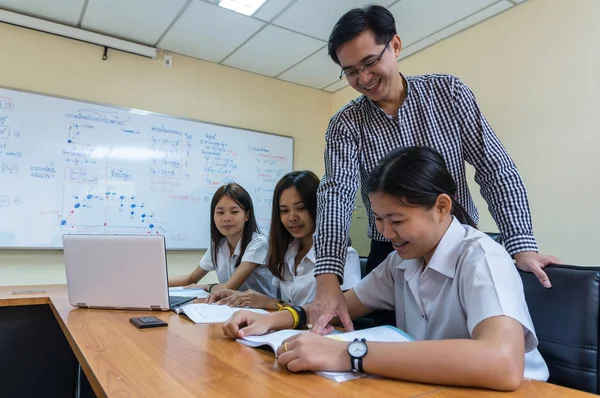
x=189 y=360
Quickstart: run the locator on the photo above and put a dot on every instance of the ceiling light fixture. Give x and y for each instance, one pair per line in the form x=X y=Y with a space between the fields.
x=246 y=7
x=74 y=33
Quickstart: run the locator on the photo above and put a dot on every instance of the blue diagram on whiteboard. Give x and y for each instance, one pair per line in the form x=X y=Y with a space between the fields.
x=110 y=212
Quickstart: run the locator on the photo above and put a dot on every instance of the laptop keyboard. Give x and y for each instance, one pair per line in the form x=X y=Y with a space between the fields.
x=176 y=301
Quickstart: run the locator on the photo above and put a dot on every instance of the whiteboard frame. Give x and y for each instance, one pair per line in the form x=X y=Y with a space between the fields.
x=134 y=110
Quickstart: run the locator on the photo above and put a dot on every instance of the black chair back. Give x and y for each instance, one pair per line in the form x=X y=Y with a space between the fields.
x=495 y=236
x=566 y=321
x=363 y=267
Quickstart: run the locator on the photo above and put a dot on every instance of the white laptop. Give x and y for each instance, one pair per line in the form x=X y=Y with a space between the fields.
x=118 y=272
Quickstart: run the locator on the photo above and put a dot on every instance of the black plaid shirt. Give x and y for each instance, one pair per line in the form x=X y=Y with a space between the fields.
x=441 y=112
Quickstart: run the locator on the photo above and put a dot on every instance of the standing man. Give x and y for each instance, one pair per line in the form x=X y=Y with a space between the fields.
x=438 y=111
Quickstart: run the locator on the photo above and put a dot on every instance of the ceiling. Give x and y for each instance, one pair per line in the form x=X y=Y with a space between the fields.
x=284 y=39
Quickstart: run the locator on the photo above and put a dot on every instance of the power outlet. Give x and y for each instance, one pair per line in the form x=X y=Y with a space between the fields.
x=168 y=60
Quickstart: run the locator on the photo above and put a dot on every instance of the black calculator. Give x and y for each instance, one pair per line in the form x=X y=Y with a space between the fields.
x=144 y=322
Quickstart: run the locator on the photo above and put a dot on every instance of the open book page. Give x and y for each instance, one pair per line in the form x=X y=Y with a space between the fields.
x=273 y=340
x=379 y=333
x=211 y=313
x=181 y=292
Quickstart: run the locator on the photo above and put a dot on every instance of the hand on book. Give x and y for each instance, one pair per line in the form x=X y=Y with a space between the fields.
x=309 y=351
x=329 y=302
x=246 y=323
x=249 y=298
x=219 y=295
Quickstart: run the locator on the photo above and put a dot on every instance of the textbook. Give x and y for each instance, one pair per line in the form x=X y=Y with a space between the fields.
x=379 y=333
x=211 y=313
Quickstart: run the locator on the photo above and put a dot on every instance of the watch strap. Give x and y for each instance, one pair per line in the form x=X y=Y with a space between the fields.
x=356 y=363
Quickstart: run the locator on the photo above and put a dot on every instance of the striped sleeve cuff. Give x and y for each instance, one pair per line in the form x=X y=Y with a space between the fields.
x=330 y=265
x=520 y=243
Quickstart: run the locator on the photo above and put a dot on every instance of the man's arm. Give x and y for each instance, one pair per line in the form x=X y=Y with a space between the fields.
x=336 y=198
x=495 y=172
x=500 y=182
x=335 y=202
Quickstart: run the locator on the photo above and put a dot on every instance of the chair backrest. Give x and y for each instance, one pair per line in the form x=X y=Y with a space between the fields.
x=363 y=266
x=566 y=321
x=495 y=236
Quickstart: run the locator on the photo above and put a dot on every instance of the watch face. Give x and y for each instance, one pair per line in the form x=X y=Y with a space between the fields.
x=357 y=349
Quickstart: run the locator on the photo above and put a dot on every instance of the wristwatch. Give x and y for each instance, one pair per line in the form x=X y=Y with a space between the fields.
x=279 y=304
x=357 y=350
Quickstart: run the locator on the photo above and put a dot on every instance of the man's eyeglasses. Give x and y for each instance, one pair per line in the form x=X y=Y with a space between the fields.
x=365 y=67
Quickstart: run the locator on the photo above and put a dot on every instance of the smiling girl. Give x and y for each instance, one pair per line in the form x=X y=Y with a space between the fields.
x=237 y=250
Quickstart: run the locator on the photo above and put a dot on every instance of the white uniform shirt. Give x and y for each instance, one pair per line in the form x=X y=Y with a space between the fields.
x=300 y=289
x=256 y=252
x=470 y=278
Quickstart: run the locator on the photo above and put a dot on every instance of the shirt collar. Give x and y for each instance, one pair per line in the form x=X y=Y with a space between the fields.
x=238 y=247
x=446 y=253
x=444 y=257
x=292 y=251
x=311 y=255
x=410 y=267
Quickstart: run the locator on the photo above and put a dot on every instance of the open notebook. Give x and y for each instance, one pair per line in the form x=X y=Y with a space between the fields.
x=379 y=333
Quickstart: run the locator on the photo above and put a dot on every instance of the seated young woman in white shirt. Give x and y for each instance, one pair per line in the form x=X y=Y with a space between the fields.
x=454 y=289
x=291 y=256
x=237 y=250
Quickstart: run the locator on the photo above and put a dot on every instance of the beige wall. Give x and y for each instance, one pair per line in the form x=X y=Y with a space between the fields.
x=191 y=88
x=533 y=69
x=535 y=72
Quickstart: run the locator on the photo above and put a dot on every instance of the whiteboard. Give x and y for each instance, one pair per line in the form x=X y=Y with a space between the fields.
x=69 y=166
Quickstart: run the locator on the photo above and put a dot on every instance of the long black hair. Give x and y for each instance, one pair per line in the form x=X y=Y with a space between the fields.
x=375 y=18
x=416 y=176
x=306 y=183
x=240 y=196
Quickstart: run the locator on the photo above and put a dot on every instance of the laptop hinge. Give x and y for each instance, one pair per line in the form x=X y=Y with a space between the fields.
x=156 y=308
x=82 y=305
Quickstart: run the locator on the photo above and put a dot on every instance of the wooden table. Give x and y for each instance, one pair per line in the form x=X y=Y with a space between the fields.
x=188 y=360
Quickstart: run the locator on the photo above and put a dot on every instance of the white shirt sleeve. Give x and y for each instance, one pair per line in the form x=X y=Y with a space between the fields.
x=490 y=286
x=256 y=251
x=206 y=261
x=351 y=269
x=376 y=290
